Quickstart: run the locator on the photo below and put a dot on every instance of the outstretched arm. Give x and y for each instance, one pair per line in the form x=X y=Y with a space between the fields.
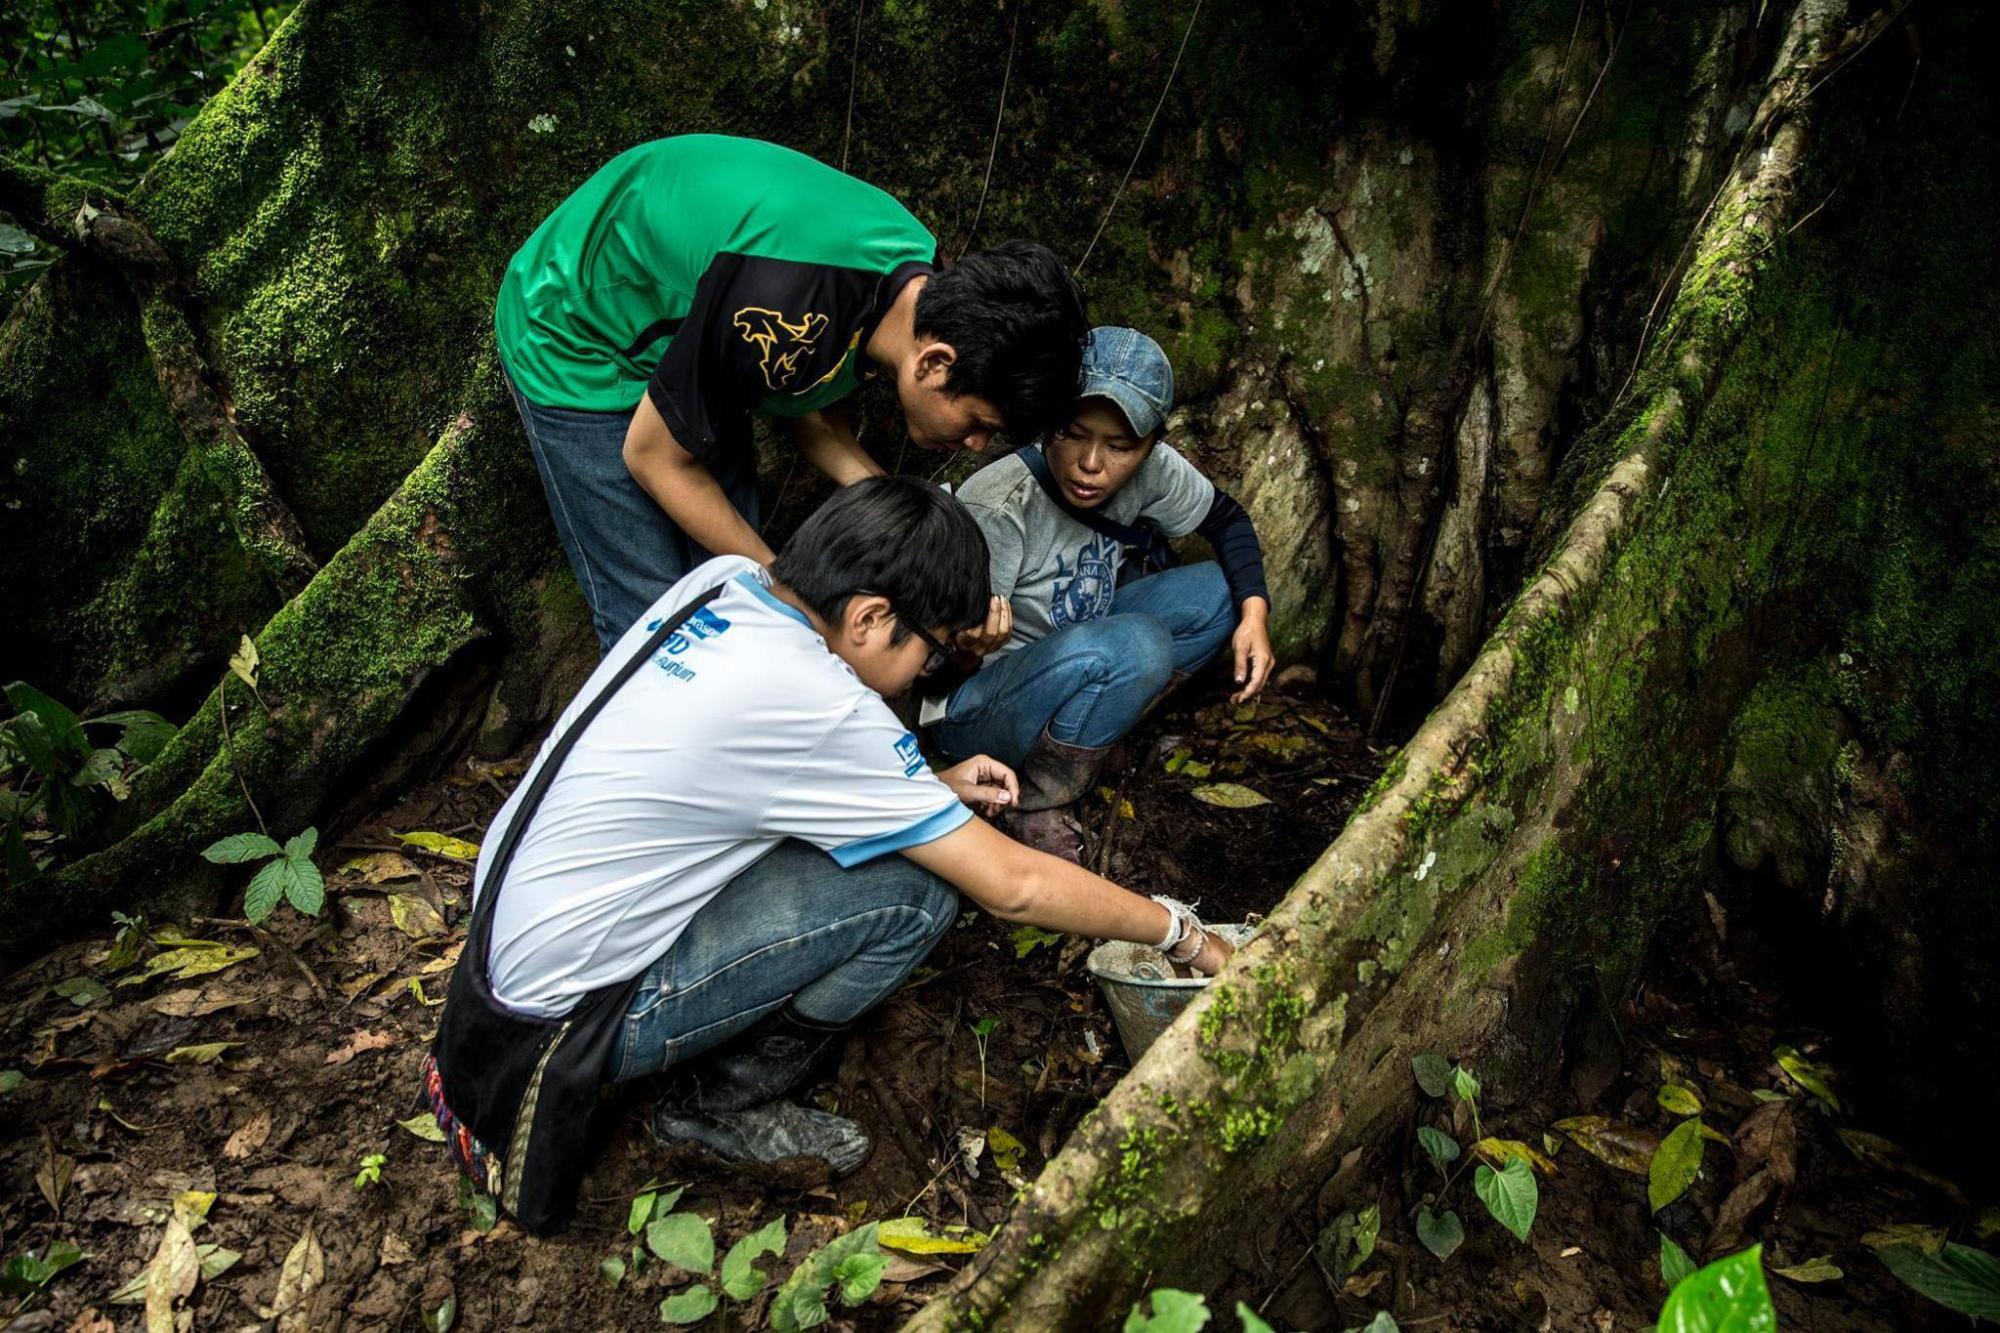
x=685 y=489
x=1017 y=883
x=826 y=440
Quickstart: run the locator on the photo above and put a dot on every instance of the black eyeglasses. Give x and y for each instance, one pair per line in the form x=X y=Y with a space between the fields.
x=939 y=653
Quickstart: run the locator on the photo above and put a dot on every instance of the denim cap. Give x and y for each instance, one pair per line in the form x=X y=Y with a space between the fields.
x=1129 y=368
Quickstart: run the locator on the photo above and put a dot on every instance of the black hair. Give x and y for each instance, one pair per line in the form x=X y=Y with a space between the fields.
x=896 y=536
x=1015 y=318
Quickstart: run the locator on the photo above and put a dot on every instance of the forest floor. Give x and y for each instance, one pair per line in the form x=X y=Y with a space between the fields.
x=247 y=1099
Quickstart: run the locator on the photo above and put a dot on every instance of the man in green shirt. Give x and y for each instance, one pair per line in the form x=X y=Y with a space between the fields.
x=697 y=281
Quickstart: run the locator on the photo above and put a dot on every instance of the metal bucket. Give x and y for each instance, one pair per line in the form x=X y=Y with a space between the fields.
x=1142 y=990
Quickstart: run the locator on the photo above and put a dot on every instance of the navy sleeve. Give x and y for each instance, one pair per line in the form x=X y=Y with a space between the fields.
x=1228 y=529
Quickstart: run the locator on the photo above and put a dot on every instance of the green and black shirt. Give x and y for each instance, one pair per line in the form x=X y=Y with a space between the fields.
x=724 y=277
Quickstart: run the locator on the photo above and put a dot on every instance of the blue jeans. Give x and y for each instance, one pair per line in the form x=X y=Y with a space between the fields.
x=794 y=926
x=1089 y=683
x=624 y=549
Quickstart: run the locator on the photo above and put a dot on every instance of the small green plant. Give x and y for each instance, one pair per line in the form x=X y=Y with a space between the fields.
x=981 y=1030
x=1508 y=1190
x=1728 y=1294
x=25 y=1275
x=1167 y=1310
x=51 y=772
x=850 y=1266
x=287 y=875
x=481 y=1211
x=371 y=1171
x=1958 y=1277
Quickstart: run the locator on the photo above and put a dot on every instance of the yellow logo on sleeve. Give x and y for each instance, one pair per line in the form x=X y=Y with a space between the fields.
x=783 y=344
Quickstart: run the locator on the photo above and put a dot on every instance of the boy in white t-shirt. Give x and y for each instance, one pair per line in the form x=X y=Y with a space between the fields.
x=1086 y=651
x=706 y=884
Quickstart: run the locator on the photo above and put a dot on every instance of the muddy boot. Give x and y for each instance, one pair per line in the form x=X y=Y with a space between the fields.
x=1053 y=776
x=778 y=1054
x=769 y=1133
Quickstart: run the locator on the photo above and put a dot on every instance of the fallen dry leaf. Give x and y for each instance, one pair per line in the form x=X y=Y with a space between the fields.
x=357 y=1042
x=304 y=1270
x=90 y=1321
x=415 y=917
x=170 y=1280
x=198 y=1001
x=1743 y=1204
x=1625 y=1147
x=1769 y=1136
x=394 y=1250
x=381 y=867
x=249 y=1137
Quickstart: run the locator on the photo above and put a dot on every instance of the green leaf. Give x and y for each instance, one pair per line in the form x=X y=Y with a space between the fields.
x=1230 y=796
x=858 y=1275
x=59 y=727
x=1383 y=1322
x=1674 y=1262
x=740 y=1278
x=441 y=1319
x=425 y=1126
x=443 y=844
x=1675 y=1165
x=1464 y=1084
x=301 y=847
x=125 y=51
x=10 y=1079
x=683 y=1240
x=99 y=769
x=1807 y=1075
x=480 y=1208
x=267 y=888
x=1030 y=938
x=244 y=663
x=240 y=847
x=81 y=991
x=305 y=888
x=1174 y=1311
x=642 y=1212
x=29 y=1272
x=144 y=736
x=1252 y=1322
x=1367 y=1227
x=1958 y=1277
x=612 y=1270
x=1433 y=1073
x=801 y=1302
x=1819 y=1269
x=1728 y=1296
x=689 y=1306
x=1440 y=1235
x=1441 y=1147
x=1510 y=1195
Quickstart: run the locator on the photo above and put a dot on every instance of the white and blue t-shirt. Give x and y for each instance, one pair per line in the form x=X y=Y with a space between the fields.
x=744 y=730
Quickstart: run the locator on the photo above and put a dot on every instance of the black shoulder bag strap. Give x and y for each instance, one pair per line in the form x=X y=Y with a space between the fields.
x=519 y=1081
x=1155 y=554
x=482 y=916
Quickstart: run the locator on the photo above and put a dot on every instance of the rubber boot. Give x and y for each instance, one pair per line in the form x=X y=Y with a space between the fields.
x=775 y=1056
x=769 y=1133
x=733 y=1102
x=1052 y=777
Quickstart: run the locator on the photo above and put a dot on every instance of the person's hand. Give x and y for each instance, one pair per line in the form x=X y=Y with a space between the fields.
x=1215 y=951
x=999 y=627
x=1252 y=643
x=984 y=783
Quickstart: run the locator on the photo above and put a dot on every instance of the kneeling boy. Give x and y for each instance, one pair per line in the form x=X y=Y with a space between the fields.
x=1086 y=651
x=696 y=874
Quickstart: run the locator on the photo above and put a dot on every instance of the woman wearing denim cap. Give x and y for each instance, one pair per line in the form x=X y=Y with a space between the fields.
x=1102 y=622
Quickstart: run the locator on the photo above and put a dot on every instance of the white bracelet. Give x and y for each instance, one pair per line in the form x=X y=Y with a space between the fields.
x=1181 y=923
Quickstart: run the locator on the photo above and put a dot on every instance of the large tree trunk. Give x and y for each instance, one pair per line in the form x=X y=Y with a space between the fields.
x=1748 y=647
x=1455 y=297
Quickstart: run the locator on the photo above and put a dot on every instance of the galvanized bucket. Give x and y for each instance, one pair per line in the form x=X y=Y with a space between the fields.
x=1142 y=990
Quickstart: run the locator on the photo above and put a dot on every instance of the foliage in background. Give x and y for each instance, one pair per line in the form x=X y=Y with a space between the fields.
x=51 y=773
x=101 y=89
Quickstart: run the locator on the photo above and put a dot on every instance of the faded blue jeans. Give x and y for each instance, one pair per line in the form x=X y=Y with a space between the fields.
x=794 y=926
x=621 y=545
x=1089 y=683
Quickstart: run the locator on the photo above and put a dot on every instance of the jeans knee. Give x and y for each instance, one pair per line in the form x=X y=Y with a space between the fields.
x=1149 y=651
